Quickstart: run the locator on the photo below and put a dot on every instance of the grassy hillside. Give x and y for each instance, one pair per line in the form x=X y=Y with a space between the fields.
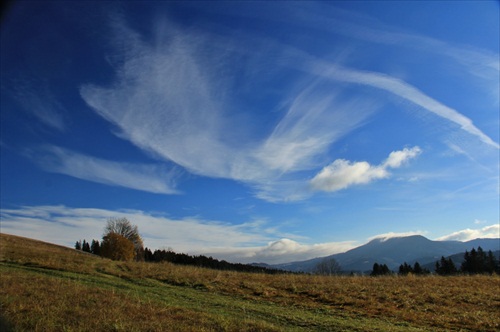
x=44 y=287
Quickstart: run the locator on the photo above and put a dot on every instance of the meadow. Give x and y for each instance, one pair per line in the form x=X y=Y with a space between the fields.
x=44 y=287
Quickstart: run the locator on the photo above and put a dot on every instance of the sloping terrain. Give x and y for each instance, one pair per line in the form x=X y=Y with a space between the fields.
x=44 y=287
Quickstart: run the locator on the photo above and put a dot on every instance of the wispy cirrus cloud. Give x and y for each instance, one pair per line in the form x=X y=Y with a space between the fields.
x=342 y=174
x=184 y=118
x=36 y=98
x=150 y=178
x=481 y=63
x=187 y=117
x=403 y=90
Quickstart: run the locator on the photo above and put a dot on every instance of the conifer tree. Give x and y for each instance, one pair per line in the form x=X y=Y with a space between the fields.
x=78 y=245
x=445 y=266
x=85 y=246
x=95 y=248
x=405 y=268
x=380 y=269
x=491 y=263
x=417 y=269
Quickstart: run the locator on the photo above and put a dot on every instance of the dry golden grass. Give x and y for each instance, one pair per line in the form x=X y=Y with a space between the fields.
x=45 y=287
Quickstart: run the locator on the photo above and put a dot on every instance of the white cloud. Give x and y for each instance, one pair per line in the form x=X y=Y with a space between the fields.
x=390 y=235
x=167 y=100
x=342 y=173
x=246 y=242
x=283 y=251
x=144 y=177
x=397 y=158
x=171 y=99
x=492 y=231
x=316 y=118
x=64 y=225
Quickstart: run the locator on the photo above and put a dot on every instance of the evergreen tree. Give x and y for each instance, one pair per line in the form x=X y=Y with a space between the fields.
x=445 y=267
x=478 y=262
x=417 y=269
x=95 y=248
x=148 y=255
x=78 y=245
x=85 y=246
x=491 y=263
x=405 y=268
x=380 y=270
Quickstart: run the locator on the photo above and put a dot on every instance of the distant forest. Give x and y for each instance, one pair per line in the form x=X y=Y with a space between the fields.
x=122 y=241
x=170 y=256
x=475 y=262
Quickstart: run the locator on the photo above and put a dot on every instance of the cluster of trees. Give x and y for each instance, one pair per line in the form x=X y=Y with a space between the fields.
x=445 y=267
x=94 y=248
x=405 y=269
x=121 y=241
x=202 y=261
x=475 y=262
x=380 y=270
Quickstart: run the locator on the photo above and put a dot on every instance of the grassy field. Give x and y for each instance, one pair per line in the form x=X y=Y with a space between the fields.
x=44 y=287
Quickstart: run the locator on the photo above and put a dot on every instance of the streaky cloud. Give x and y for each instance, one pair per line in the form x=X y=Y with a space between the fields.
x=166 y=100
x=36 y=98
x=144 y=177
x=401 y=89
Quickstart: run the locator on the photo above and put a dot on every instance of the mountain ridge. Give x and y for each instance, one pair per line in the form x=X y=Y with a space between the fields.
x=393 y=252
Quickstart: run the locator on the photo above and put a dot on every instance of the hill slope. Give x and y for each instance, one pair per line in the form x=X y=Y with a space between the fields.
x=44 y=287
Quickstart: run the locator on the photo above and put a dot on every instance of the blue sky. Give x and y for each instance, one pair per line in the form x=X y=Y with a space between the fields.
x=251 y=131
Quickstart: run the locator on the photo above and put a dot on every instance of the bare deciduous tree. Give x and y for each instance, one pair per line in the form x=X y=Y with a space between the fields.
x=328 y=266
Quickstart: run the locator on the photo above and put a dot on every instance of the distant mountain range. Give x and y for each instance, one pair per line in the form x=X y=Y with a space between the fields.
x=394 y=252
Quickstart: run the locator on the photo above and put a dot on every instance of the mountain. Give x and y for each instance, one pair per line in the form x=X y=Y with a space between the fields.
x=393 y=252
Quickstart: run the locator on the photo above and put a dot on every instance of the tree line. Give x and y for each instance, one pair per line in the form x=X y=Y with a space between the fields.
x=121 y=241
x=474 y=262
x=203 y=261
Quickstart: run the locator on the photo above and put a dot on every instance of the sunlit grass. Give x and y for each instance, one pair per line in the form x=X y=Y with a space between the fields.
x=50 y=288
